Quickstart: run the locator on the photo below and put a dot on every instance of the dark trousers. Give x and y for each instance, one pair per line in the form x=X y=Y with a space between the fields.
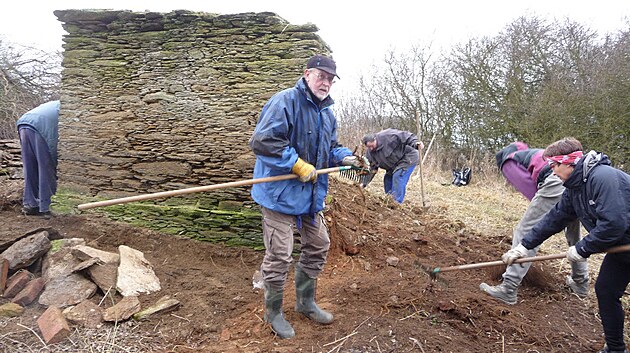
x=40 y=180
x=612 y=281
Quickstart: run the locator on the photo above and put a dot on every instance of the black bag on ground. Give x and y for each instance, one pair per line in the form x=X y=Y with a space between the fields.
x=461 y=177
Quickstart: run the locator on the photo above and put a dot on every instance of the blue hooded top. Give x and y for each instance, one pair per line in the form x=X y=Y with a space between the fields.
x=45 y=120
x=292 y=125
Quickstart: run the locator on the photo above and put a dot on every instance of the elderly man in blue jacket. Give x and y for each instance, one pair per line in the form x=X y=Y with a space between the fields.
x=38 y=131
x=296 y=133
x=599 y=196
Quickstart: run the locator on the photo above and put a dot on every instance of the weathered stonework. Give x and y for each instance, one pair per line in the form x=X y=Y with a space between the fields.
x=161 y=101
x=10 y=160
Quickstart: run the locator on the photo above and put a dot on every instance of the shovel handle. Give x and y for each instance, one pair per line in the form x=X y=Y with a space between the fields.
x=437 y=270
x=163 y=194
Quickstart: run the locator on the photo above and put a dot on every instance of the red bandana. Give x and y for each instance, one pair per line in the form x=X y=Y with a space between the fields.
x=571 y=158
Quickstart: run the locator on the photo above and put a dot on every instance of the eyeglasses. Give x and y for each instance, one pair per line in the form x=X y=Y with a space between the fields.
x=323 y=77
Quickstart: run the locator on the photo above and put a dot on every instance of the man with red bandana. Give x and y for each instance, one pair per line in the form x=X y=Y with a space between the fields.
x=525 y=169
x=599 y=196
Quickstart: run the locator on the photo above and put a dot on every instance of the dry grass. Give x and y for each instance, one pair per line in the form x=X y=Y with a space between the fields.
x=120 y=338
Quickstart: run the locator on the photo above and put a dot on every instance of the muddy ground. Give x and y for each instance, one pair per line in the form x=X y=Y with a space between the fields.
x=378 y=307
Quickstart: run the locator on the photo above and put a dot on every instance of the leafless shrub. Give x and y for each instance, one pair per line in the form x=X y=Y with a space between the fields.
x=28 y=77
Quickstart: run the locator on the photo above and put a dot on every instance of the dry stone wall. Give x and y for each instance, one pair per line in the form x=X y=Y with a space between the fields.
x=10 y=160
x=160 y=101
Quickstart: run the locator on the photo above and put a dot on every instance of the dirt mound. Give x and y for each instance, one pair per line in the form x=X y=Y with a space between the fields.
x=375 y=283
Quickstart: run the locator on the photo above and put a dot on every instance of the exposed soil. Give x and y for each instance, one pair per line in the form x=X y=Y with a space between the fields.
x=378 y=307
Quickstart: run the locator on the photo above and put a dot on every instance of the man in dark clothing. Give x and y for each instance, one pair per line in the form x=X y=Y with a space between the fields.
x=38 y=131
x=395 y=151
x=529 y=173
x=599 y=196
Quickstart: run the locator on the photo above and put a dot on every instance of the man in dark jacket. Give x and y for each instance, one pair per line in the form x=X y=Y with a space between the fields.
x=296 y=133
x=599 y=196
x=525 y=169
x=395 y=151
x=38 y=131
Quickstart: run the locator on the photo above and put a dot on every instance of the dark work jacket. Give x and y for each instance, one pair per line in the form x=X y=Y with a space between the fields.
x=599 y=196
x=395 y=149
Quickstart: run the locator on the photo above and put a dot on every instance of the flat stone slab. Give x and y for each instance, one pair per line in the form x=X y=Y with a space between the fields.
x=135 y=274
x=25 y=252
x=65 y=291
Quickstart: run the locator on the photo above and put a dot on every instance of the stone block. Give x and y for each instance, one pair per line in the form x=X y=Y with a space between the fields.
x=30 y=292
x=53 y=325
x=11 y=310
x=17 y=282
x=85 y=313
x=4 y=274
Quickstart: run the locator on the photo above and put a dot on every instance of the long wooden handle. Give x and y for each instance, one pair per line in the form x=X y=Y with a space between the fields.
x=163 y=194
x=615 y=249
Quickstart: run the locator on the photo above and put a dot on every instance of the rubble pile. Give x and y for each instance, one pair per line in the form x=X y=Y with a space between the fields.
x=10 y=160
x=62 y=275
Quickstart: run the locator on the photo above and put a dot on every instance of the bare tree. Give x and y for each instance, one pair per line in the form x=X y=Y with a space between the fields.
x=392 y=95
x=28 y=77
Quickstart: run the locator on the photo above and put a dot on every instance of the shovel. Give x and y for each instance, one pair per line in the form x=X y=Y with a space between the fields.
x=163 y=194
x=437 y=270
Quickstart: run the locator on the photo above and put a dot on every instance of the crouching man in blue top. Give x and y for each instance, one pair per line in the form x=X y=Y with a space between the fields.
x=296 y=133
x=599 y=196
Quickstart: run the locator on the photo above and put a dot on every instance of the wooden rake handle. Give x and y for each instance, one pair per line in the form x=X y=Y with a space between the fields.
x=163 y=194
x=437 y=270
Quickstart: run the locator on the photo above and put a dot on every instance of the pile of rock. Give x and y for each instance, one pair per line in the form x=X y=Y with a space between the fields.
x=10 y=160
x=63 y=274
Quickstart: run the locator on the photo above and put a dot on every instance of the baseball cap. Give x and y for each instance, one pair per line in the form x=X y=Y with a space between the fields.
x=323 y=63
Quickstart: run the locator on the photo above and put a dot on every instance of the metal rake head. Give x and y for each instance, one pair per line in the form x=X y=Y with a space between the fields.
x=356 y=174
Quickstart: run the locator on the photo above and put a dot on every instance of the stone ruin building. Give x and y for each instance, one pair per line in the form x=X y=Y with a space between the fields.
x=161 y=101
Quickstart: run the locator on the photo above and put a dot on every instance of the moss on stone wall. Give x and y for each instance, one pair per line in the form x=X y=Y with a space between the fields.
x=220 y=222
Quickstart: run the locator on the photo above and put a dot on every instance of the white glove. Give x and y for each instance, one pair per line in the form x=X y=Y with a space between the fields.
x=350 y=161
x=573 y=256
x=513 y=254
x=356 y=162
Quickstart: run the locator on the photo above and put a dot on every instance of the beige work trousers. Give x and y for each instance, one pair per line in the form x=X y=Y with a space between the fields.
x=278 y=238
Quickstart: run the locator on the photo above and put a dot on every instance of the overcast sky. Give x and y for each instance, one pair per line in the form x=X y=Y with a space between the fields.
x=358 y=32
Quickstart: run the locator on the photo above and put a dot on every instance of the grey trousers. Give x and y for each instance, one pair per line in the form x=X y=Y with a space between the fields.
x=278 y=239
x=40 y=180
x=547 y=196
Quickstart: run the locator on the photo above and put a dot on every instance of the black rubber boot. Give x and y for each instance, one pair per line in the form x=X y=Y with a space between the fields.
x=305 y=298
x=273 y=312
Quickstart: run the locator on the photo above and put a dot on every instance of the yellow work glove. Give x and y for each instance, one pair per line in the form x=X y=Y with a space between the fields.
x=305 y=171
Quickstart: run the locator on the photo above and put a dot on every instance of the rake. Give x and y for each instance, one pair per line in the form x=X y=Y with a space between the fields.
x=350 y=172
x=433 y=273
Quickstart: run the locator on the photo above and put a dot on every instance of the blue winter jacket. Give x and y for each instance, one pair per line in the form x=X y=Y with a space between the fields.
x=291 y=125
x=44 y=119
x=599 y=196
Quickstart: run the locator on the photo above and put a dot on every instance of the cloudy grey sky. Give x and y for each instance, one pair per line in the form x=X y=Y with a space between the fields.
x=359 y=32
